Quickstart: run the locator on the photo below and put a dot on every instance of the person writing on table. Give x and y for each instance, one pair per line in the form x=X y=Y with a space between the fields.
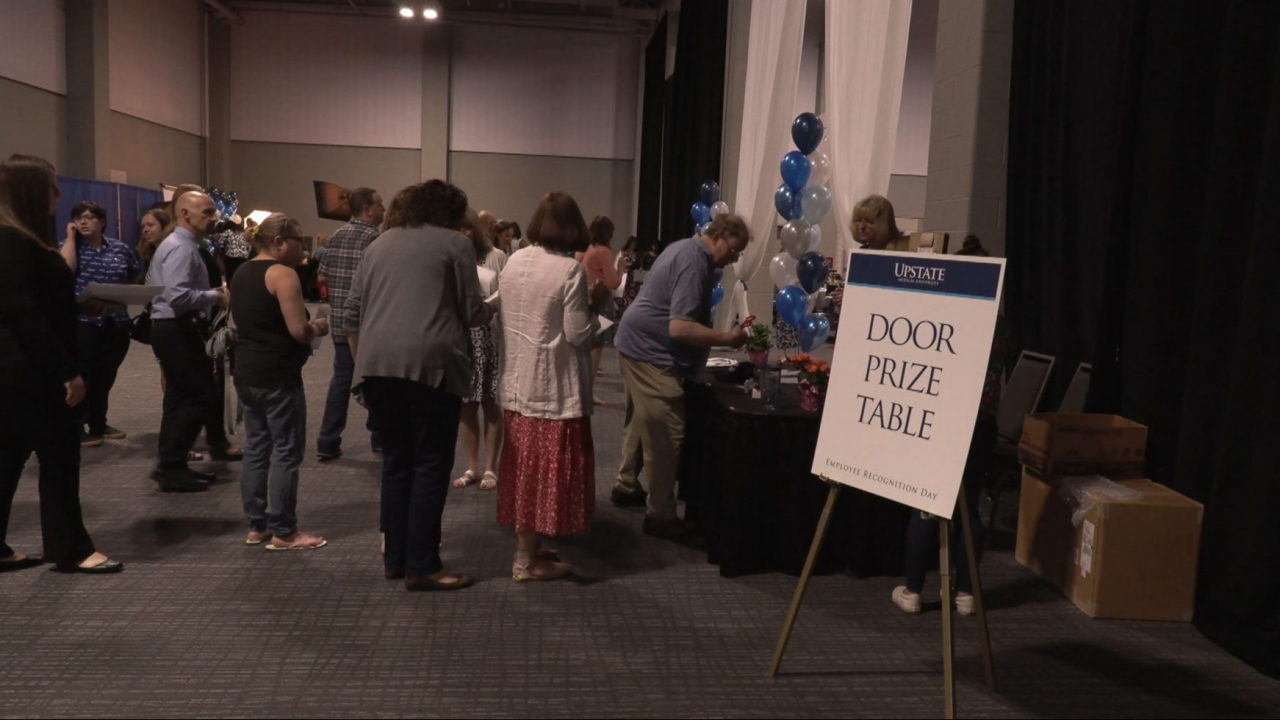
x=103 y=328
x=664 y=338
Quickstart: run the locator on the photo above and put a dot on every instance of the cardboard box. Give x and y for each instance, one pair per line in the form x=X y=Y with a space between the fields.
x=1132 y=560
x=1066 y=444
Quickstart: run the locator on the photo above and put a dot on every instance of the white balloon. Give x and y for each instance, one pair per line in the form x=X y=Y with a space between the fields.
x=782 y=269
x=821 y=167
x=719 y=209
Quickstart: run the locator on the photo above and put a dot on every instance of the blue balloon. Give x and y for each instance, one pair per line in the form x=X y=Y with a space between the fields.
x=814 y=330
x=812 y=270
x=796 y=169
x=792 y=303
x=807 y=131
x=701 y=213
x=787 y=202
x=711 y=192
x=717 y=294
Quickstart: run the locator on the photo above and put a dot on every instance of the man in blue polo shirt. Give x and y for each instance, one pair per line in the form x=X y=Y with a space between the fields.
x=104 y=327
x=665 y=337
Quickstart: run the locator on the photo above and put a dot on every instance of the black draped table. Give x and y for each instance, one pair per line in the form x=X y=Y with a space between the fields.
x=744 y=476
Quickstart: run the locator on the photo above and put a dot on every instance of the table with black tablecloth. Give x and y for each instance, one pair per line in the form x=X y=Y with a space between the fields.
x=744 y=476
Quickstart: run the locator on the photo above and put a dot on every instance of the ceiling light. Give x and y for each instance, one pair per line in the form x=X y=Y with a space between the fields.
x=431 y=14
x=406 y=12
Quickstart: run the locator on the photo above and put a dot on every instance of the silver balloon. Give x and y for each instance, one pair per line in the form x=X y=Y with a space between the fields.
x=815 y=238
x=813 y=299
x=821 y=168
x=816 y=204
x=795 y=238
x=720 y=208
x=782 y=269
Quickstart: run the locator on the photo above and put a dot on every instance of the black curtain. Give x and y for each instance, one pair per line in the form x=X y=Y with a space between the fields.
x=695 y=113
x=649 y=199
x=1144 y=168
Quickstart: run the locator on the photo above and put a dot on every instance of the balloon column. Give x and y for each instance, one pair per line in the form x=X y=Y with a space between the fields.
x=703 y=213
x=804 y=202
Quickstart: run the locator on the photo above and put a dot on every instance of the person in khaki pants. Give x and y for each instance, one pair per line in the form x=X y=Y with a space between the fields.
x=665 y=337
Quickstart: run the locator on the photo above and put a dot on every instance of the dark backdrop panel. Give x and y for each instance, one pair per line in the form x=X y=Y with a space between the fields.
x=695 y=114
x=649 y=201
x=1144 y=165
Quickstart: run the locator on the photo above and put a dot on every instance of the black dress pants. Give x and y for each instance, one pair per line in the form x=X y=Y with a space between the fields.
x=191 y=400
x=38 y=420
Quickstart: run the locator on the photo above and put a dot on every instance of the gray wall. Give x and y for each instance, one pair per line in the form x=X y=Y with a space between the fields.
x=279 y=176
x=151 y=154
x=907 y=193
x=512 y=185
x=967 y=163
x=33 y=122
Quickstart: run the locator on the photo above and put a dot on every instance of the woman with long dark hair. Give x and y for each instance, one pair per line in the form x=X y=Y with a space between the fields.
x=39 y=371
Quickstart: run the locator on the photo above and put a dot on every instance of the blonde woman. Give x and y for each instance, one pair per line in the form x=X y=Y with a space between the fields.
x=873 y=227
x=274 y=343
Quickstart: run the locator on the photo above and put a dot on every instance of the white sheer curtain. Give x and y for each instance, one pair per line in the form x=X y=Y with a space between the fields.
x=773 y=72
x=866 y=53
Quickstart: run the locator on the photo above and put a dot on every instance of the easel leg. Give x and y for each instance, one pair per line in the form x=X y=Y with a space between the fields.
x=948 y=650
x=988 y=662
x=814 y=549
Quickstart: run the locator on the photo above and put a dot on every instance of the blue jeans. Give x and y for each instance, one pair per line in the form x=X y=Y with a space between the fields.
x=275 y=423
x=419 y=429
x=335 y=406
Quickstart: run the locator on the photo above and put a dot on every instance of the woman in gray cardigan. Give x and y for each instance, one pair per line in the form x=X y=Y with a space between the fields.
x=409 y=316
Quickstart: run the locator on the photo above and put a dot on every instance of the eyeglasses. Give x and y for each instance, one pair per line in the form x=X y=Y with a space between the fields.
x=86 y=218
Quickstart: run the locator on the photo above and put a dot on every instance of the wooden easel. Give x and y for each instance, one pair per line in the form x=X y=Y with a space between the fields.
x=944 y=559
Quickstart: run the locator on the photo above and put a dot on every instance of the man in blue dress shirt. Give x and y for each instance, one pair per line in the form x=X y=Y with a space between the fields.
x=178 y=317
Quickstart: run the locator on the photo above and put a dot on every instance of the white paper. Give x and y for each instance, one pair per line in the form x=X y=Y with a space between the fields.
x=905 y=435
x=120 y=294
x=324 y=311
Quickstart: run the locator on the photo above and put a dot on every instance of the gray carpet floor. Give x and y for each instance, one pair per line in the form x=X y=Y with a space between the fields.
x=200 y=625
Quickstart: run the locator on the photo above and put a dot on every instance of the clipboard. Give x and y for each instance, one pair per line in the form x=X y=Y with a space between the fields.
x=120 y=294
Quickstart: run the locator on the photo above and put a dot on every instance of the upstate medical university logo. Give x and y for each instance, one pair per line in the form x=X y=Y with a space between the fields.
x=920 y=274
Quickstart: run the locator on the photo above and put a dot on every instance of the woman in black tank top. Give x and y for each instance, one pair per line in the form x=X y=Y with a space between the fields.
x=274 y=343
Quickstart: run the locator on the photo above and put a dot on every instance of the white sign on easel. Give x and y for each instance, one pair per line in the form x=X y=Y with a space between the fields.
x=910 y=363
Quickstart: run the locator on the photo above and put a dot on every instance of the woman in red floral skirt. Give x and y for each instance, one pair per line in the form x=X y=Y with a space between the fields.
x=548 y=461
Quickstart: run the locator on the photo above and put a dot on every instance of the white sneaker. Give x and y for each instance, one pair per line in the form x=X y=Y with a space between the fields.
x=906 y=600
x=964 y=603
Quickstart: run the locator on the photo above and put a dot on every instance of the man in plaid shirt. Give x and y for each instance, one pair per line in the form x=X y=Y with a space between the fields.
x=337 y=269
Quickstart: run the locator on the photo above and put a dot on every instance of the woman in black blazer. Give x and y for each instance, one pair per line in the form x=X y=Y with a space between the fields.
x=40 y=383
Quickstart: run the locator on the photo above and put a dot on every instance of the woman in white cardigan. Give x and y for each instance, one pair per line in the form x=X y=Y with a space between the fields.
x=548 y=460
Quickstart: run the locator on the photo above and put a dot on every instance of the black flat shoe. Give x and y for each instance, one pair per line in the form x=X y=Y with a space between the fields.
x=25 y=563
x=179 y=481
x=204 y=477
x=110 y=567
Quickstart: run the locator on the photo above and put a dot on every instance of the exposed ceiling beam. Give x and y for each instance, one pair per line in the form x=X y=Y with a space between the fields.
x=225 y=12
